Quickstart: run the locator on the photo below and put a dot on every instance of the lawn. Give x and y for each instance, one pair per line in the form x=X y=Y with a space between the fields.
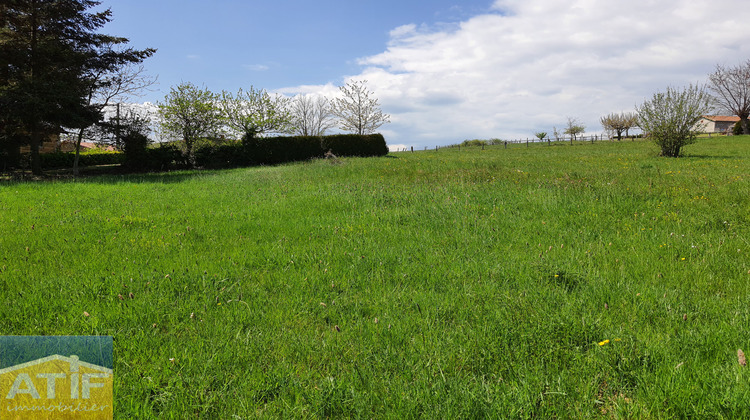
x=594 y=280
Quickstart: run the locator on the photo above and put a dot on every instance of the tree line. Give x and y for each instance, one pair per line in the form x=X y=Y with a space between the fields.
x=189 y=113
x=59 y=75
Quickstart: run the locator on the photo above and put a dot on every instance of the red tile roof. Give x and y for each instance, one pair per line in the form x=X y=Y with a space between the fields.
x=721 y=118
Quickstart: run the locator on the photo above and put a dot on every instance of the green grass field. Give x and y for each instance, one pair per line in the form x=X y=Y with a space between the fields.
x=567 y=281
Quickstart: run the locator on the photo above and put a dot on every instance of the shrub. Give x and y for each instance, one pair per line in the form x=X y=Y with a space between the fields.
x=166 y=157
x=669 y=118
x=469 y=143
x=87 y=158
x=135 y=146
x=737 y=129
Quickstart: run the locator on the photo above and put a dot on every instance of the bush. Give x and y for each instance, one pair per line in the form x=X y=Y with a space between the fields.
x=737 y=129
x=468 y=143
x=135 y=145
x=87 y=158
x=669 y=118
x=165 y=157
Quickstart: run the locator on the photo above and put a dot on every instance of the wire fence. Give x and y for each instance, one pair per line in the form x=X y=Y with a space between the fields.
x=528 y=142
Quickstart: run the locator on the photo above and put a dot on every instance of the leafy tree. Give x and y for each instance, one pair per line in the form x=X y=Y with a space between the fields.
x=48 y=49
x=191 y=113
x=357 y=111
x=311 y=115
x=669 y=118
x=574 y=128
x=542 y=135
x=253 y=112
x=730 y=88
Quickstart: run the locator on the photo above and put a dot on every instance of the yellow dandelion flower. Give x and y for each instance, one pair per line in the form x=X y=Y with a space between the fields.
x=604 y=343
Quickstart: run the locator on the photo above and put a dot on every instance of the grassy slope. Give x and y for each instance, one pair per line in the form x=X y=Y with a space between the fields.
x=443 y=284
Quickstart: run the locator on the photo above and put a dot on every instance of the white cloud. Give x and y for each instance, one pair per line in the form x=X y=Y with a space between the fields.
x=256 y=67
x=529 y=64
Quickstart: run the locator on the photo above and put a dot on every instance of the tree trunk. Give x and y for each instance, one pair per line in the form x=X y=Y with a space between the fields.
x=78 y=152
x=36 y=159
x=745 y=125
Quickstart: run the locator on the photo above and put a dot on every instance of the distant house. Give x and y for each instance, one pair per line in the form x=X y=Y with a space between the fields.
x=717 y=123
x=50 y=144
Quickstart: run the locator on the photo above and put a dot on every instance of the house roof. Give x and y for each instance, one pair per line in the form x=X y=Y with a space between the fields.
x=722 y=118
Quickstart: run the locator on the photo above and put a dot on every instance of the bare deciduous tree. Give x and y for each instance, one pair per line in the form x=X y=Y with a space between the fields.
x=357 y=111
x=104 y=87
x=311 y=115
x=618 y=123
x=631 y=121
x=730 y=88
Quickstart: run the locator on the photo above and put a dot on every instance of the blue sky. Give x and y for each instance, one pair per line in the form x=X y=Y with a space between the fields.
x=228 y=44
x=445 y=70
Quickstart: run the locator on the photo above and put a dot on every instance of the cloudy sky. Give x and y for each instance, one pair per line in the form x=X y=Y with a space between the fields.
x=445 y=70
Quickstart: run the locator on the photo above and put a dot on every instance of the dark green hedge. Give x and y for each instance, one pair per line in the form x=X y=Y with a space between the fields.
x=276 y=150
x=355 y=145
x=251 y=151
x=65 y=159
x=225 y=155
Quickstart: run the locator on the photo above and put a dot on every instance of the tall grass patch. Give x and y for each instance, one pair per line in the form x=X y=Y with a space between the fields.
x=585 y=281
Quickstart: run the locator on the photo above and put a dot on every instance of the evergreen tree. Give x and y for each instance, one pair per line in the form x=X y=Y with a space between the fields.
x=48 y=51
